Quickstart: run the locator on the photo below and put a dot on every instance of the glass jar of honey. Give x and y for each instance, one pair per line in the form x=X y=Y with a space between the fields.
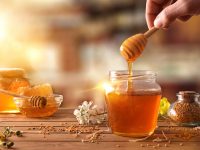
x=133 y=102
x=11 y=79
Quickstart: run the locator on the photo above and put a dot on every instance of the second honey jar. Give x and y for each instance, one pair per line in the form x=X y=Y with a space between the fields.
x=11 y=79
x=133 y=103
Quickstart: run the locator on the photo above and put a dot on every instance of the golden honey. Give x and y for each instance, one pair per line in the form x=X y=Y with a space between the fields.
x=133 y=103
x=29 y=110
x=6 y=104
x=11 y=79
x=38 y=112
x=132 y=114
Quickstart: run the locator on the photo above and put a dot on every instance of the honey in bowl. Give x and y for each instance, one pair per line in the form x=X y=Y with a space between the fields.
x=11 y=79
x=133 y=109
x=27 y=108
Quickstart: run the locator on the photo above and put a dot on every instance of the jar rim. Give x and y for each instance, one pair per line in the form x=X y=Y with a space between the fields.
x=12 y=73
x=187 y=94
x=136 y=74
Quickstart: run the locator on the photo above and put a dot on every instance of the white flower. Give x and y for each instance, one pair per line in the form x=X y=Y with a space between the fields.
x=86 y=113
x=77 y=112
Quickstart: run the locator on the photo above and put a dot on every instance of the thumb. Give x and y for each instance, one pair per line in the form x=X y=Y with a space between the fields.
x=167 y=15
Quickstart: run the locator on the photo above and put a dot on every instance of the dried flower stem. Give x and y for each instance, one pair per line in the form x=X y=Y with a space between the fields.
x=94 y=137
x=98 y=114
x=141 y=139
x=166 y=138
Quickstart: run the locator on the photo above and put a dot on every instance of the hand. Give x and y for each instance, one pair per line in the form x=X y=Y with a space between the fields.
x=161 y=14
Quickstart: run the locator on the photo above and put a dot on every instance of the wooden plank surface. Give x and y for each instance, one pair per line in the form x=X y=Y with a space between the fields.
x=35 y=139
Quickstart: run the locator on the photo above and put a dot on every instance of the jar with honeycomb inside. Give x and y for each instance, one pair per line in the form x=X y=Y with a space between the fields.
x=11 y=79
x=133 y=102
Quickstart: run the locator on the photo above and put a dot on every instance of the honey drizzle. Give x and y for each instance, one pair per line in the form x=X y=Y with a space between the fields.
x=130 y=66
x=130 y=74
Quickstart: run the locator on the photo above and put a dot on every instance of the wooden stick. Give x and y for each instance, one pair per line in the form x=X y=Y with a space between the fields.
x=150 y=32
x=12 y=94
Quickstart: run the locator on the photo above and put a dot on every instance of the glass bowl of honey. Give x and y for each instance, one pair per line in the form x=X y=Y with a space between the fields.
x=133 y=101
x=38 y=106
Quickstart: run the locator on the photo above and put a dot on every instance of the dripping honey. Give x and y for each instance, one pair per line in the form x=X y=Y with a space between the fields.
x=131 y=112
x=133 y=101
x=130 y=66
x=130 y=83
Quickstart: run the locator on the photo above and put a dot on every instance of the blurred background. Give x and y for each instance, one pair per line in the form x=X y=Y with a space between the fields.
x=73 y=44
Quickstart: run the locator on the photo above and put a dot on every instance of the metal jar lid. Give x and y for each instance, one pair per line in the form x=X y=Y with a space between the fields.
x=188 y=96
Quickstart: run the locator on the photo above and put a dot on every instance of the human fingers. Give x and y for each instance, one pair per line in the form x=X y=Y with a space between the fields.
x=185 y=18
x=153 y=8
x=168 y=15
x=180 y=9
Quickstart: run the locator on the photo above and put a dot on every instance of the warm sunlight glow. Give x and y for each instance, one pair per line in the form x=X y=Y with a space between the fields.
x=34 y=56
x=107 y=87
x=3 y=29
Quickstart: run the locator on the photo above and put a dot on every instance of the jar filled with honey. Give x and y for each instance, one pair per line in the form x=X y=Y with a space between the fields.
x=133 y=102
x=11 y=79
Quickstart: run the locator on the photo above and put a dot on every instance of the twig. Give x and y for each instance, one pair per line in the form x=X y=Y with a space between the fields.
x=94 y=137
x=141 y=139
x=98 y=114
x=166 y=138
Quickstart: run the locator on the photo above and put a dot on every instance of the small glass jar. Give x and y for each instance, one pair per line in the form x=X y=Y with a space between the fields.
x=133 y=103
x=11 y=79
x=186 y=110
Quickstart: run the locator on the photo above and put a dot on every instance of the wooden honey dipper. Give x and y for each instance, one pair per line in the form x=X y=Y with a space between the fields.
x=35 y=101
x=132 y=47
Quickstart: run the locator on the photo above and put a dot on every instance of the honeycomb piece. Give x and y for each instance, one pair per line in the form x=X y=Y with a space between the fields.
x=17 y=84
x=39 y=90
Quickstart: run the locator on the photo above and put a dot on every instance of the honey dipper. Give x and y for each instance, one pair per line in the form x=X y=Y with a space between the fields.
x=132 y=47
x=35 y=101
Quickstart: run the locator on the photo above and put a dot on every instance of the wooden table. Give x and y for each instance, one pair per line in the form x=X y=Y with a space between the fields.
x=59 y=140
